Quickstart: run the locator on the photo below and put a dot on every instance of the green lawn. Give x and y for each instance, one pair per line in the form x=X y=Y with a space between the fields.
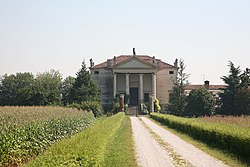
x=107 y=143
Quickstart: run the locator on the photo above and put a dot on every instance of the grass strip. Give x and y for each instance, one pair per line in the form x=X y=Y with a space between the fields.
x=88 y=148
x=211 y=148
x=120 y=149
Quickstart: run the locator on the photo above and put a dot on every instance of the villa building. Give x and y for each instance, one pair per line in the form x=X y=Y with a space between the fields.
x=141 y=77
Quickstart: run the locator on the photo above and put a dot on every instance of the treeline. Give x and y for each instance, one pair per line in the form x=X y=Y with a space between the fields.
x=25 y=89
x=234 y=99
x=48 y=88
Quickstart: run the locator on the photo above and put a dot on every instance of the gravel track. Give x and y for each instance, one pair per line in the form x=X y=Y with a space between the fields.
x=150 y=153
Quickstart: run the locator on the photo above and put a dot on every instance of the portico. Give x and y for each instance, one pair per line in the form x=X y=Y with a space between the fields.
x=136 y=82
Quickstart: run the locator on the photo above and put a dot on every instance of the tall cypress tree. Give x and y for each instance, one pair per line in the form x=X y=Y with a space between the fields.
x=232 y=99
x=84 y=87
x=177 y=97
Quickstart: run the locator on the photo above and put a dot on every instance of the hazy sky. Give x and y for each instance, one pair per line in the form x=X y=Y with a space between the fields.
x=39 y=35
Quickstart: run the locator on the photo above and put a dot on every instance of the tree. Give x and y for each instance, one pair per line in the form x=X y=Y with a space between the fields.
x=67 y=85
x=48 y=88
x=17 y=89
x=84 y=87
x=233 y=100
x=200 y=102
x=177 y=97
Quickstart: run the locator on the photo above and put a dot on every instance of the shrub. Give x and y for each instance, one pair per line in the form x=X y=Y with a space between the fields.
x=93 y=106
x=200 y=102
x=144 y=109
x=157 y=107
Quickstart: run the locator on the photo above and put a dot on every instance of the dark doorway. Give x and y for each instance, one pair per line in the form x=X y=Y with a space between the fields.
x=133 y=92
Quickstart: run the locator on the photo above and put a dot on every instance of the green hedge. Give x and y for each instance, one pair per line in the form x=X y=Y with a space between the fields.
x=20 y=143
x=231 y=138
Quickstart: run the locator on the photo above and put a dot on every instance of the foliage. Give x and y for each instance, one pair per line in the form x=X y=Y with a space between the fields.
x=93 y=106
x=235 y=99
x=177 y=97
x=144 y=108
x=126 y=98
x=200 y=102
x=48 y=88
x=94 y=146
x=24 y=137
x=67 y=85
x=17 y=89
x=84 y=88
x=157 y=107
x=115 y=107
x=235 y=139
x=23 y=89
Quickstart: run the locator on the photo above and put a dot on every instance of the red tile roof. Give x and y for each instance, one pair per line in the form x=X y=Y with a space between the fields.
x=144 y=58
x=211 y=87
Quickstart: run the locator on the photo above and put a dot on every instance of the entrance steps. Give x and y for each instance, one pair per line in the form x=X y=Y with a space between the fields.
x=132 y=110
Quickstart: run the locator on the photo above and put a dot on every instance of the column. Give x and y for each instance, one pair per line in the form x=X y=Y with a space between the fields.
x=141 y=88
x=127 y=84
x=114 y=85
x=153 y=95
x=154 y=85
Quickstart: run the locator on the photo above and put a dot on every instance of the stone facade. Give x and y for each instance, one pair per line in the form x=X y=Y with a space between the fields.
x=139 y=76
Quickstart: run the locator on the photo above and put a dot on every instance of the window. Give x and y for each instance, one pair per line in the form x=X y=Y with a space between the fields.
x=146 y=97
x=171 y=72
x=96 y=72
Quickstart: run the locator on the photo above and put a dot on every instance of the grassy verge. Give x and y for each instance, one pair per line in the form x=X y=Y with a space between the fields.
x=120 y=150
x=211 y=149
x=92 y=146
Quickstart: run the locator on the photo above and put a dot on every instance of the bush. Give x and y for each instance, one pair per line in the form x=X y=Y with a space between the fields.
x=115 y=107
x=93 y=106
x=232 y=138
x=157 y=107
x=144 y=109
x=200 y=102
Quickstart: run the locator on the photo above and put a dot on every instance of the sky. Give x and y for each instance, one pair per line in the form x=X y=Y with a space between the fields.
x=36 y=36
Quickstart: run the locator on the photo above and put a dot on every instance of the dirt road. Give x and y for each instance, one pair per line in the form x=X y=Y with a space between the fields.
x=155 y=146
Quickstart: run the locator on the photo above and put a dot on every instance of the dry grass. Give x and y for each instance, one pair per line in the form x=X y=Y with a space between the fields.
x=22 y=115
x=242 y=121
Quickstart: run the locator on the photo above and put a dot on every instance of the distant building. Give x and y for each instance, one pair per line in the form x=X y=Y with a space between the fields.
x=141 y=77
x=214 y=89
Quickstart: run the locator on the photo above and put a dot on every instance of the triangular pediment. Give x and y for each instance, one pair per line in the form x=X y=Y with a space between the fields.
x=135 y=64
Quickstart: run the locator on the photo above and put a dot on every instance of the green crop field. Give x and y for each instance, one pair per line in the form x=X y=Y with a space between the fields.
x=25 y=132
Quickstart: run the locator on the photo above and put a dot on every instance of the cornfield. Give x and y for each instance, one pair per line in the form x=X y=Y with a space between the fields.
x=27 y=131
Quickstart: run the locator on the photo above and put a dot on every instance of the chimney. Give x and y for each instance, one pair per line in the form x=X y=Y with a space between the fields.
x=114 y=60
x=91 y=63
x=134 y=52
x=153 y=59
x=176 y=63
x=206 y=85
x=109 y=63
